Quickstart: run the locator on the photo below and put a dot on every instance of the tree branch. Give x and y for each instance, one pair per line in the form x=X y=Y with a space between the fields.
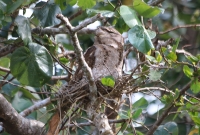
x=156 y=2
x=165 y=114
x=178 y=27
x=36 y=106
x=16 y=124
x=79 y=53
x=4 y=69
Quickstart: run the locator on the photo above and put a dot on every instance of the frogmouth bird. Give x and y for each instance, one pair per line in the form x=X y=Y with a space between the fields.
x=104 y=57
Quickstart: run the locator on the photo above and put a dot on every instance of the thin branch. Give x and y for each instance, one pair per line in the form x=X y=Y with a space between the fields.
x=183 y=52
x=62 y=77
x=80 y=57
x=52 y=78
x=164 y=90
x=180 y=26
x=79 y=29
x=67 y=54
x=4 y=69
x=36 y=106
x=156 y=2
x=64 y=30
x=91 y=123
x=165 y=114
x=163 y=43
x=8 y=49
x=50 y=31
x=87 y=22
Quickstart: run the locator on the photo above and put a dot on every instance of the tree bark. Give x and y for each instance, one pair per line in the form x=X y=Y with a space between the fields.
x=15 y=124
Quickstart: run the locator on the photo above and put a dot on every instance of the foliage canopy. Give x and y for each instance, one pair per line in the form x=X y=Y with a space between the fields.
x=162 y=65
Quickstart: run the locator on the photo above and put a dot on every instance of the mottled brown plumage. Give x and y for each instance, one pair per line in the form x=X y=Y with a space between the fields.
x=105 y=57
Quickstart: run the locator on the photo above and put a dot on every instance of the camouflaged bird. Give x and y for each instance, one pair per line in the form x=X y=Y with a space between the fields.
x=105 y=58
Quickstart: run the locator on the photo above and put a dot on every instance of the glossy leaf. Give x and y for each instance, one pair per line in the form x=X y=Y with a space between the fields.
x=123 y=115
x=24 y=29
x=129 y=16
x=158 y=56
x=151 y=58
x=192 y=58
x=108 y=81
x=86 y=4
x=105 y=13
x=169 y=128
x=152 y=34
x=172 y=56
x=3 y=6
x=137 y=113
x=4 y=62
x=46 y=13
x=20 y=103
x=188 y=71
x=27 y=93
x=144 y=9
x=140 y=39
x=9 y=89
x=14 y=5
x=61 y=3
x=175 y=46
x=32 y=66
x=154 y=75
x=195 y=86
x=140 y=104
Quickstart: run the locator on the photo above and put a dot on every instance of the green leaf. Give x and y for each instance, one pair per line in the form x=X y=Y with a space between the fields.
x=192 y=58
x=104 y=13
x=27 y=93
x=4 y=62
x=158 y=56
x=129 y=16
x=140 y=39
x=170 y=128
x=27 y=2
x=154 y=75
x=188 y=71
x=24 y=29
x=63 y=60
x=195 y=86
x=86 y=4
x=32 y=66
x=137 y=113
x=198 y=56
x=152 y=34
x=176 y=45
x=167 y=99
x=151 y=58
x=61 y=3
x=123 y=115
x=124 y=127
x=142 y=103
x=172 y=56
x=108 y=81
x=3 y=6
x=71 y=2
x=46 y=13
x=12 y=7
x=144 y=9
x=20 y=103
